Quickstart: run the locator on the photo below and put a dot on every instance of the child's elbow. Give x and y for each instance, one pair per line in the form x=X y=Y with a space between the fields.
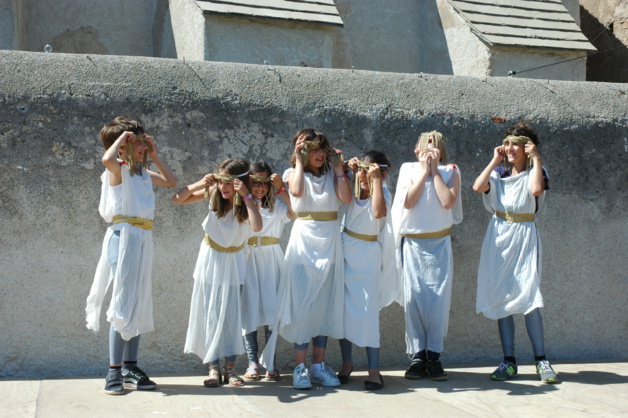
x=257 y=228
x=172 y=183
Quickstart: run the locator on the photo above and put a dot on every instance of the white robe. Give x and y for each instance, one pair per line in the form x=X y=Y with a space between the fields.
x=265 y=266
x=509 y=274
x=215 y=325
x=367 y=288
x=131 y=308
x=427 y=263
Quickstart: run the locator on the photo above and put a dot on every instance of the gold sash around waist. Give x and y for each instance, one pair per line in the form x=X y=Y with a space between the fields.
x=362 y=237
x=139 y=222
x=317 y=216
x=427 y=235
x=261 y=241
x=515 y=217
x=220 y=248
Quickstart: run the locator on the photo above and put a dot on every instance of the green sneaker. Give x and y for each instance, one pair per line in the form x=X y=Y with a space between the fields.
x=543 y=369
x=505 y=371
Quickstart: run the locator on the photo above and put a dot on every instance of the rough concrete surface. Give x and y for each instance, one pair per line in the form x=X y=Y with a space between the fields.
x=52 y=107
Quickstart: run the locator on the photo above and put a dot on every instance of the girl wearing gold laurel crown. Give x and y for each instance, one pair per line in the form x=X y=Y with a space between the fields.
x=215 y=325
x=509 y=274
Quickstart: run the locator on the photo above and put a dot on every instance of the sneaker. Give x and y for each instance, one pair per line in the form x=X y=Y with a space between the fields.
x=136 y=378
x=505 y=371
x=301 y=377
x=113 y=382
x=417 y=369
x=543 y=369
x=435 y=370
x=324 y=376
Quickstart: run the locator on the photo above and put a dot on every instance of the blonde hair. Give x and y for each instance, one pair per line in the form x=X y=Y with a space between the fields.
x=438 y=142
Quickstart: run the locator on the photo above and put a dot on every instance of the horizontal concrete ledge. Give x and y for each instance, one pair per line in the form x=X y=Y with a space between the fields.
x=170 y=82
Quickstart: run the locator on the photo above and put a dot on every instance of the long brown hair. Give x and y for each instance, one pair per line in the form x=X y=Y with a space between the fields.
x=315 y=138
x=233 y=167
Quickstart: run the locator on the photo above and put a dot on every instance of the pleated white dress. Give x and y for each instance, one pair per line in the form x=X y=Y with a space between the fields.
x=367 y=288
x=509 y=275
x=312 y=289
x=131 y=307
x=427 y=263
x=215 y=325
x=264 y=270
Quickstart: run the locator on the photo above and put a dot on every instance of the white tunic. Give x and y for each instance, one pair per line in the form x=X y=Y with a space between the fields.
x=313 y=287
x=509 y=275
x=215 y=325
x=265 y=265
x=427 y=263
x=131 y=307
x=366 y=287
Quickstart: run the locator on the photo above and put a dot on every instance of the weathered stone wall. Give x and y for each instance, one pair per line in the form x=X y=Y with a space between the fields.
x=52 y=107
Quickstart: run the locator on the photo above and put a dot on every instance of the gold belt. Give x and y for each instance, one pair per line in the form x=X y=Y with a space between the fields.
x=220 y=248
x=515 y=217
x=317 y=216
x=139 y=222
x=260 y=241
x=362 y=237
x=427 y=235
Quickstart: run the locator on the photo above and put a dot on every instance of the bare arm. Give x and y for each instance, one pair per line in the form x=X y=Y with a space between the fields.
x=537 y=182
x=278 y=183
x=295 y=178
x=416 y=190
x=195 y=192
x=378 y=202
x=164 y=177
x=341 y=183
x=251 y=207
x=446 y=195
x=481 y=184
x=110 y=157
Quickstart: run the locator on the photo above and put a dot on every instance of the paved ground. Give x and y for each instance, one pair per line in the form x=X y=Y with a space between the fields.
x=585 y=389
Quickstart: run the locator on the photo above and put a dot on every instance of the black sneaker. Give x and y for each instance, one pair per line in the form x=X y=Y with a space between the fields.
x=136 y=378
x=417 y=369
x=435 y=370
x=113 y=382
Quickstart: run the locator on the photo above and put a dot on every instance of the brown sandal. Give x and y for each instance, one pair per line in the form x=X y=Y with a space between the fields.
x=231 y=378
x=252 y=373
x=272 y=376
x=214 y=378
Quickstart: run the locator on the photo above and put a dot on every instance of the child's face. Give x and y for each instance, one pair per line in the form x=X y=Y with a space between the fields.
x=139 y=148
x=317 y=158
x=226 y=188
x=515 y=152
x=259 y=188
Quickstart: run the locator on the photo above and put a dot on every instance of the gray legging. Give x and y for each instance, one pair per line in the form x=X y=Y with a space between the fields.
x=117 y=345
x=372 y=353
x=250 y=344
x=534 y=325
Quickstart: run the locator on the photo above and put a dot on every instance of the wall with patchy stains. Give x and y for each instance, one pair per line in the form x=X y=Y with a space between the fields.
x=52 y=107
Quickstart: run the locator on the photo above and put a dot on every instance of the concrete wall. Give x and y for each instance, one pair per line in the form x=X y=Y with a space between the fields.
x=52 y=107
x=107 y=27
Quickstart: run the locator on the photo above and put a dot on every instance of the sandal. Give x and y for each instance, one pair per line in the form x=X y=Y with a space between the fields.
x=252 y=373
x=214 y=379
x=231 y=378
x=272 y=376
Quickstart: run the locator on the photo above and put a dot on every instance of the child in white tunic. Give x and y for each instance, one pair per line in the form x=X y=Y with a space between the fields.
x=368 y=247
x=509 y=275
x=427 y=204
x=127 y=199
x=215 y=326
x=265 y=264
x=312 y=290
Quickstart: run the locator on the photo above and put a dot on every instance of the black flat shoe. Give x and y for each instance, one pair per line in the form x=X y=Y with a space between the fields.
x=368 y=385
x=344 y=378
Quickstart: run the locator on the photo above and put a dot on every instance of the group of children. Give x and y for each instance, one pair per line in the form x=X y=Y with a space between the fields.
x=334 y=277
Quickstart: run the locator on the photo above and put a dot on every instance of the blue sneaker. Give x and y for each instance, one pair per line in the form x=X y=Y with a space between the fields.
x=301 y=377
x=324 y=376
x=506 y=370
